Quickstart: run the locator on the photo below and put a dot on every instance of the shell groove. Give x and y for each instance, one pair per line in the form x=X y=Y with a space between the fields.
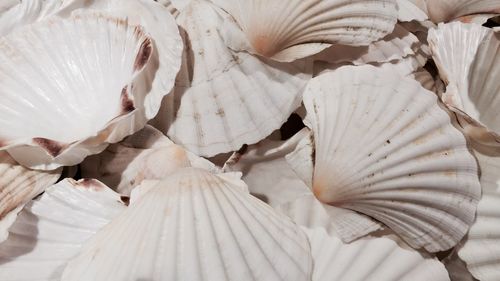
x=195 y=225
x=384 y=148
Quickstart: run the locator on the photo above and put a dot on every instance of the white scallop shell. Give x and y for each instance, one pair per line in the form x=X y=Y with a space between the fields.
x=468 y=59
x=409 y=11
x=59 y=108
x=384 y=147
x=370 y=259
x=18 y=185
x=196 y=225
x=447 y=10
x=146 y=155
x=50 y=230
x=290 y=30
x=218 y=102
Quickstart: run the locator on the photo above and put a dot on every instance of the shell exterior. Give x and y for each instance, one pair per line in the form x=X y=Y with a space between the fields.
x=18 y=185
x=370 y=259
x=50 y=230
x=481 y=250
x=146 y=155
x=290 y=30
x=65 y=118
x=216 y=107
x=196 y=226
x=384 y=148
x=264 y=163
x=409 y=11
x=447 y=10
x=468 y=59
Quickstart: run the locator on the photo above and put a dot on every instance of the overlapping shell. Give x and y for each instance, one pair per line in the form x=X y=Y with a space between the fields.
x=216 y=106
x=195 y=225
x=286 y=31
x=384 y=147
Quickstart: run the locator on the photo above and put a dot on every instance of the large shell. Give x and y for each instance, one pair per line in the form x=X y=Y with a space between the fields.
x=50 y=230
x=447 y=10
x=384 y=147
x=195 y=225
x=225 y=99
x=468 y=59
x=18 y=185
x=146 y=155
x=50 y=118
x=370 y=259
x=289 y=30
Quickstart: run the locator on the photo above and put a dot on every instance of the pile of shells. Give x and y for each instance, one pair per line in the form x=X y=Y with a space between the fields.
x=298 y=140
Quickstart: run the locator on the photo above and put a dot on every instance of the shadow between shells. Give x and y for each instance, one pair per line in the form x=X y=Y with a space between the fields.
x=311 y=140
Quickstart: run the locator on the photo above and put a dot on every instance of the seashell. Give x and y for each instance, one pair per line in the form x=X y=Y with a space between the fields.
x=76 y=103
x=18 y=185
x=457 y=269
x=370 y=258
x=286 y=31
x=427 y=81
x=444 y=11
x=265 y=163
x=394 y=46
x=146 y=155
x=203 y=227
x=217 y=103
x=410 y=10
x=468 y=62
x=50 y=230
x=384 y=148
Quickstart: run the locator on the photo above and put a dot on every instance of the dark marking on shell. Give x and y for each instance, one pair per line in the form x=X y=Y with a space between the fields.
x=125 y=200
x=144 y=53
x=127 y=103
x=87 y=183
x=52 y=147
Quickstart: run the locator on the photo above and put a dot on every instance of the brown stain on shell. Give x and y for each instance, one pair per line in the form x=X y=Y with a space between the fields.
x=125 y=200
x=127 y=104
x=144 y=54
x=52 y=147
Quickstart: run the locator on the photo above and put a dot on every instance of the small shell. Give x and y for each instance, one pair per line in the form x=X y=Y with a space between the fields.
x=223 y=99
x=50 y=119
x=468 y=59
x=290 y=30
x=384 y=147
x=18 y=185
x=50 y=230
x=146 y=155
x=195 y=225
x=370 y=259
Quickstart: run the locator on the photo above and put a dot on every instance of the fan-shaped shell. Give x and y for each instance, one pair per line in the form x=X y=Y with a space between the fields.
x=225 y=99
x=370 y=258
x=50 y=230
x=146 y=155
x=57 y=109
x=447 y=10
x=15 y=13
x=468 y=59
x=196 y=225
x=384 y=147
x=289 y=30
x=18 y=185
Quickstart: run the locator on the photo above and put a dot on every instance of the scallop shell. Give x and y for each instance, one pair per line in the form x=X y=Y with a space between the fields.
x=15 y=13
x=481 y=250
x=146 y=155
x=443 y=11
x=264 y=163
x=468 y=59
x=384 y=147
x=371 y=258
x=65 y=118
x=196 y=226
x=18 y=185
x=409 y=10
x=218 y=102
x=290 y=30
x=50 y=230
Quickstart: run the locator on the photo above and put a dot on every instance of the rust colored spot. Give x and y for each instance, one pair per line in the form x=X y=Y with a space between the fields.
x=127 y=103
x=143 y=55
x=86 y=183
x=263 y=45
x=52 y=147
x=125 y=200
